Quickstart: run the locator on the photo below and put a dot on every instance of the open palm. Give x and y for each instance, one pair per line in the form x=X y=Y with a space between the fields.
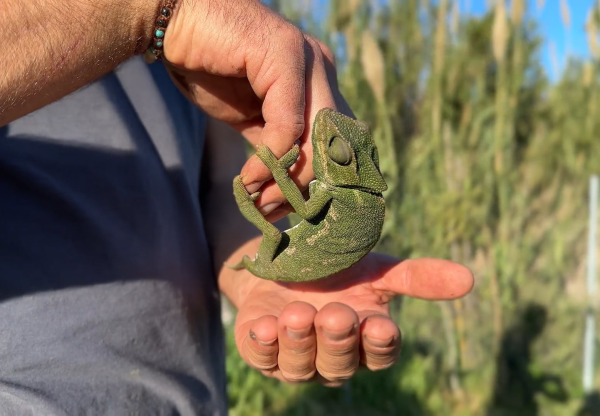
x=326 y=330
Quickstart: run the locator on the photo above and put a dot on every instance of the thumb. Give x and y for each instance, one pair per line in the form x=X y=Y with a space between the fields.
x=426 y=278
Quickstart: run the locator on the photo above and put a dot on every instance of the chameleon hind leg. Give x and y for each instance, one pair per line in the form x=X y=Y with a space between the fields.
x=271 y=234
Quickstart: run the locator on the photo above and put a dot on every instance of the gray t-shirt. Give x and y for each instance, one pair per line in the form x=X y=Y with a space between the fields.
x=108 y=300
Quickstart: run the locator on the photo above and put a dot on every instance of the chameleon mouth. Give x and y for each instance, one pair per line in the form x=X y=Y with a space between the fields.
x=363 y=189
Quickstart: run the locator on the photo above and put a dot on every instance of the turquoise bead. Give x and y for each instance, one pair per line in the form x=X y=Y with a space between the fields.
x=159 y=44
x=159 y=33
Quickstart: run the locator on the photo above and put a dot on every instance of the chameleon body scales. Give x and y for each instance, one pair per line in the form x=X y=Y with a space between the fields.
x=343 y=217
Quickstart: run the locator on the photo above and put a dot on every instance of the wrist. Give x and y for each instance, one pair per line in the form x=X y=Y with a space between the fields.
x=177 y=38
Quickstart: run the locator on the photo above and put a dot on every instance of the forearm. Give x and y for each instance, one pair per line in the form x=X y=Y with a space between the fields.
x=52 y=48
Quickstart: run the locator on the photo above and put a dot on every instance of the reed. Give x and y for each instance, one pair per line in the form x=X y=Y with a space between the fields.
x=488 y=165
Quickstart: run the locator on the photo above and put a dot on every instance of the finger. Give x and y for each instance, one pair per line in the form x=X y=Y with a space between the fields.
x=380 y=342
x=297 y=342
x=318 y=95
x=280 y=212
x=337 y=342
x=276 y=374
x=269 y=191
x=431 y=279
x=279 y=78
x=330 y=68
x=320 y=82
x=257 y=342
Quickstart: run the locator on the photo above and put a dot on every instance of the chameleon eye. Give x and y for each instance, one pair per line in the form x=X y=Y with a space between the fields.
x=339 y=151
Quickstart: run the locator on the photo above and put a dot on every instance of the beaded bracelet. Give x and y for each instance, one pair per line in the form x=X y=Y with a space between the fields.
x=155 y=50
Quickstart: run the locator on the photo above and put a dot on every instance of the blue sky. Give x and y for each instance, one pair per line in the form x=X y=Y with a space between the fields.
x=550 y=24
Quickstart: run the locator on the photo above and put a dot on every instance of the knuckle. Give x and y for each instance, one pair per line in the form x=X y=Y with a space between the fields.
x=298 y=363
x=377 y=362
x=292 y=38
x=260 y=360
x=300 y=350
x=298 y=377
x=327 y=53
x=271 y=373
x=381 y=358
x=339 y=368
x=380 y=367
x=338 y=377
x=321 y=50
x=297 y=128
x=317 y=52
x=312 y=41
x=292 y=125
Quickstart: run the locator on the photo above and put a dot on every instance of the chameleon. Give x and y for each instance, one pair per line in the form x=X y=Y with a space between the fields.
x=343 y=217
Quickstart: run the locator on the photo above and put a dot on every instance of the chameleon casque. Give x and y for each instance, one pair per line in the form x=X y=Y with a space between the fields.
x=343 y=217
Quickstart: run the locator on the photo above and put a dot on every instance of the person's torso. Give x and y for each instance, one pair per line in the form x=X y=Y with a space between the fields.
x=108 y=303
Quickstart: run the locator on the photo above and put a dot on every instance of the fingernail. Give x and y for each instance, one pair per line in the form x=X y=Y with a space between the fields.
x=253 y=187
x=263 y=343
x=267 y=209
x=298 y=334
x=381 y=343
x=338 y=335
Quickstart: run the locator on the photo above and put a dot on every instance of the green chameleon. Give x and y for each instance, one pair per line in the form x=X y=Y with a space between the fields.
x=341 y=221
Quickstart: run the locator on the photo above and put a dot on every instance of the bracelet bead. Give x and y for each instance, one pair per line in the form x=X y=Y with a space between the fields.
x=155 y=51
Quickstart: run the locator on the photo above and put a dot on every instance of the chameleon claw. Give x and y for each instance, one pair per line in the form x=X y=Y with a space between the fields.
x=290 y=157
x=240 y=265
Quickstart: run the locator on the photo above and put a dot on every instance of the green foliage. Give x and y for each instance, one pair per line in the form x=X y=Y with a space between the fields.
x=488 y=165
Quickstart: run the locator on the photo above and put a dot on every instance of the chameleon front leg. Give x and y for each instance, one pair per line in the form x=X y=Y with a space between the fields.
x=305 y=209
x=271 y=234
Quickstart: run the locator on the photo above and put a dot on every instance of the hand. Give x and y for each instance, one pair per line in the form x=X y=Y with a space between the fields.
x=326 y=330
x=247 y=66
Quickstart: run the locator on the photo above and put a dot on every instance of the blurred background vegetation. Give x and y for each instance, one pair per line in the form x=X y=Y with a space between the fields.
x=488 y=165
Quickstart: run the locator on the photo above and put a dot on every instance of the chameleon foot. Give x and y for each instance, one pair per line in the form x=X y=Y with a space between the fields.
x=242 y=197
x=266 y=155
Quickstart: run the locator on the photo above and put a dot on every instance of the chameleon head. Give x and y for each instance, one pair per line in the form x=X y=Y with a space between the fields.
x=344 y=153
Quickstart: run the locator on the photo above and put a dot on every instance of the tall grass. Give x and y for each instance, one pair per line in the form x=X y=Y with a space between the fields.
x=488 y=165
